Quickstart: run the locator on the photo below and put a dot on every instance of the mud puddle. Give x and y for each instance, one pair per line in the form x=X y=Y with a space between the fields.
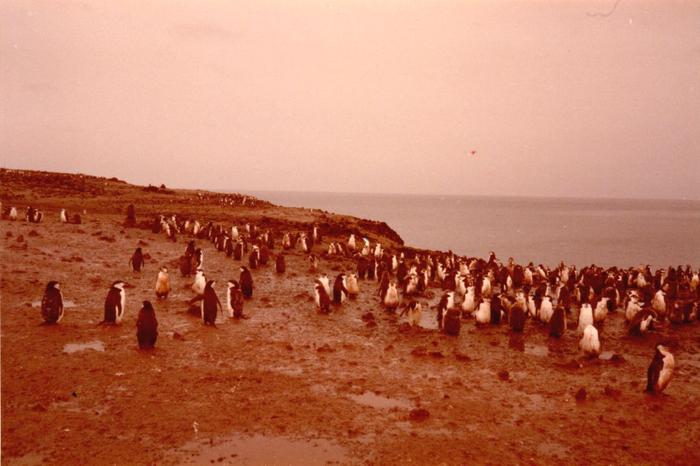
x=378 y=401
x=96 y=345
x=260 y=449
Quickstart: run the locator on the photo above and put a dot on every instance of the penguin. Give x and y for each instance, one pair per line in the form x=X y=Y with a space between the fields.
x=413 y=311
x=384 y=285
x=313 y=262
x=162 y=284
x=589 y=343
x=325 y=281
x=352 y=286
x=200 y=282
x=641 y=323
x=137 y=262
x=352 y=245
x=185 y=265
x=365 y=247
x=323 y=301
x=660 y=370
x=52 y=303
x=13 y=213
x=469 y=303
x=280 y=265
x=147 y=326
x=601 y=310
x=246 y=281
x=633 y=307
x=483 y=312
x=518 y=313
x=210 y=304
x=234 y=300
x=63 y=216
x=446 y=303
x=585 y=317
x=557 y=324
x=546 y=310
x=340 y=290
x=238 y=250
x=658 y=304
x=391 y=299
x=114 y=303
x=496 y=309
x=254 y=258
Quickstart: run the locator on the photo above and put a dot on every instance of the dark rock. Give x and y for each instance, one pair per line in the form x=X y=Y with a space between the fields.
x=462 y=357
x=611 y=392
x=504 y=375
x=325 y=348
x=39 y=408
x=418 y=414
x=419 y=351
x=178 y=336
x=33 y=233
x=437 y=354
x=581 y=394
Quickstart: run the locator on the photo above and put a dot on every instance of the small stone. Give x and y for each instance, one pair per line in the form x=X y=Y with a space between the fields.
x=325 y=348
x=418 y=414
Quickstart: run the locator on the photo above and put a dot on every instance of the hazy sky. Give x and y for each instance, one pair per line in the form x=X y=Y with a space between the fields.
x=360 y=96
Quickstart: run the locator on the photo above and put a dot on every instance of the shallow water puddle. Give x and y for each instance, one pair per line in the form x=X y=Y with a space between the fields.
x=30 y=459
x=378 y=401
x=260 y=449
x=96 y=345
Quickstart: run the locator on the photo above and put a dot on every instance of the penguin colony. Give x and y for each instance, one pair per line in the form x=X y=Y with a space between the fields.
x=488 y=291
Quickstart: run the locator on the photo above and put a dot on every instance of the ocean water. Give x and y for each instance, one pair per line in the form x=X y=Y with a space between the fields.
x=542 y=230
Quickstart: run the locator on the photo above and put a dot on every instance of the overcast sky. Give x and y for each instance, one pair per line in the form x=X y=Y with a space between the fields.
x=556 y=98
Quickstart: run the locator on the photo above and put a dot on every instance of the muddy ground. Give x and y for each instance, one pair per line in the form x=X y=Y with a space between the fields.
x=289 y=386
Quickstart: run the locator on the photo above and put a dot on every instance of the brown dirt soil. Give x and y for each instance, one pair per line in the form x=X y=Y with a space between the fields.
x=344 y=390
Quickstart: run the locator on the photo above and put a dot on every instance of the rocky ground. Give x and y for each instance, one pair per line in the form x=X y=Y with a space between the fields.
x=290 y=386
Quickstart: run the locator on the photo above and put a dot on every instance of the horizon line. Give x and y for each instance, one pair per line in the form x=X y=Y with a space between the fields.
x=375 y=193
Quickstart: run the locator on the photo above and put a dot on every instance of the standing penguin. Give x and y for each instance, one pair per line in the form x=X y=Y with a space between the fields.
x=446 y=303
x=199 y=283
x=136 y=261
x=483 y=312
x=661 y=370
x=321 y=298
x=210 y=304
x=340 y=291
x=280 y=265
x=414 y=310
x=114 y=303
x=352 y=286
x=52 y=303
x=63 y=216
x=162 y=283
x=234 y=300
x=518 y=313
x=589 y=343
x=391 y=299
x=557 y=324
x=147 y=326
x=246 y=281
x=585 y=317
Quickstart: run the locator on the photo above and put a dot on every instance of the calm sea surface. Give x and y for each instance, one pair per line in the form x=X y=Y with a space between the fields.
x=581 y=232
